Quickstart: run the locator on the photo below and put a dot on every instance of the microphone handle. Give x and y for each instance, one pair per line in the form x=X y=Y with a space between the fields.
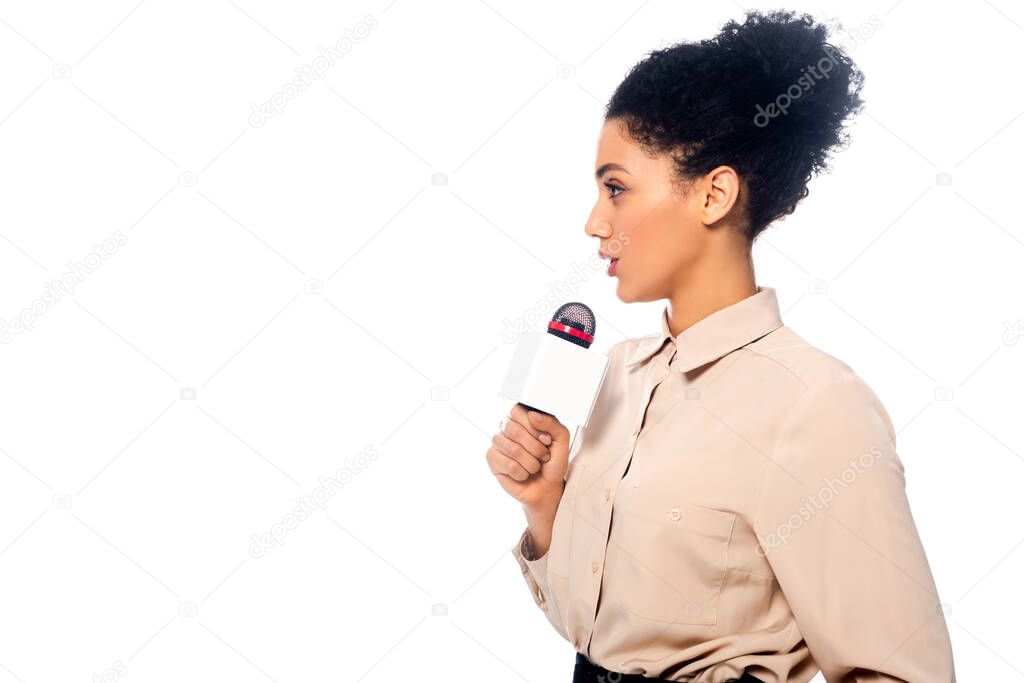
x=536 y=410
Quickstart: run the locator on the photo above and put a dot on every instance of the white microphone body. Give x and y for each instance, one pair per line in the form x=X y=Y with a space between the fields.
x=555 y=376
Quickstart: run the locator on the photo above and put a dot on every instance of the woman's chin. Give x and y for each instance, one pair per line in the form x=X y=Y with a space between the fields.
x=629 y=295
x=624 y=293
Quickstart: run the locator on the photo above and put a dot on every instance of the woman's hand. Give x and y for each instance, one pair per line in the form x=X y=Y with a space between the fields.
x=529 y=457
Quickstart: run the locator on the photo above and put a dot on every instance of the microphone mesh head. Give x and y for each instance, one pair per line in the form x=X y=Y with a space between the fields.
x=577 y=316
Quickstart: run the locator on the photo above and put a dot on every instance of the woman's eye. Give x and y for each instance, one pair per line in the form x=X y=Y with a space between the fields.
x=613 y=187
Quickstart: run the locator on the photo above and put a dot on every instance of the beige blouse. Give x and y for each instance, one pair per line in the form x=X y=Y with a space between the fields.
x=737 y=502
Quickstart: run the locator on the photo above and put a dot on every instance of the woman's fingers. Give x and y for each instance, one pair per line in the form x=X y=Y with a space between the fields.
x=520 y=415
x=515 y=451
x=524 y=437
x=503 y=464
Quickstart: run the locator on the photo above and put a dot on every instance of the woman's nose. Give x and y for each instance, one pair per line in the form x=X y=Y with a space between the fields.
x=597 y=227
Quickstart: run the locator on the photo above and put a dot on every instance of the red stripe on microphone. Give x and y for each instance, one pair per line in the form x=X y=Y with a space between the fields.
x=571 y=330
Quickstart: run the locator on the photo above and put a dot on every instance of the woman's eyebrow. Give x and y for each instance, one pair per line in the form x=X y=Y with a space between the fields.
x=609 y=167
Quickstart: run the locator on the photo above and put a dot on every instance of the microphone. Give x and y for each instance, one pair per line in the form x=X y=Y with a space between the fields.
x=575 y=323
x=552 y=377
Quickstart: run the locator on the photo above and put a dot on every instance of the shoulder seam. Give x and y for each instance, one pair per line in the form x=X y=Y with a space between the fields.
x=801 y=402
x=780 y=364
x=792 y=412
x=807 y=379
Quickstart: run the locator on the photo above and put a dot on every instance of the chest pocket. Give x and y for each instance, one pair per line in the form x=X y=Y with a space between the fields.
x=670 y=556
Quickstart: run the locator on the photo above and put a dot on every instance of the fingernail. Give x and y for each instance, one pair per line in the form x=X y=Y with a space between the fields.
x=547 y=456
x=545 y=439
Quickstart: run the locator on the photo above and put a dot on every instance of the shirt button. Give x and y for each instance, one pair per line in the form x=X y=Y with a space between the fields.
x=593 y=567
x=675 y=514
x=607 y=494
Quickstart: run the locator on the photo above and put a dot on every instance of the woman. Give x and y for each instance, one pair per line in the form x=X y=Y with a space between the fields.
x=735 y=510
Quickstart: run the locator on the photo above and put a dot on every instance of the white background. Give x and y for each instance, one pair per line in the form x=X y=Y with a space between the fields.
x=129 y=511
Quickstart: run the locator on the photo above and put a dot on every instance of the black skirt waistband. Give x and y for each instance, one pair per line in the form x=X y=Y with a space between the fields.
x=588 y=672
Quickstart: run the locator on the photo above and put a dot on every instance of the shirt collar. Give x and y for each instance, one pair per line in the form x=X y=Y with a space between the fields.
x=717 y=334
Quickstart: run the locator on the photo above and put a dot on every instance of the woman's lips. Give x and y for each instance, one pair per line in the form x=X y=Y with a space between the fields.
x=613 y=261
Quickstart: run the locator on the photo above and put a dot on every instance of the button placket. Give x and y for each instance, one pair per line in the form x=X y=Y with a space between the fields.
x=658 y=372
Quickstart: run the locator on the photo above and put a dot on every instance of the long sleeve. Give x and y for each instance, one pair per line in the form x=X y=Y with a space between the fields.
x=836 y=527
x=535 y=574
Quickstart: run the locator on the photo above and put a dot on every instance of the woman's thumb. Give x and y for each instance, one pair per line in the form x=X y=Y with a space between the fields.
x=549 y=425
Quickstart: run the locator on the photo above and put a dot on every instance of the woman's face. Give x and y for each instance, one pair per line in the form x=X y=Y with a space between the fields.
x=657 y=233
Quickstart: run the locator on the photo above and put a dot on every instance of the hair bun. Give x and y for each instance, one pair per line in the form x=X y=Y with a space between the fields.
x=768 y=96
x=791 y=72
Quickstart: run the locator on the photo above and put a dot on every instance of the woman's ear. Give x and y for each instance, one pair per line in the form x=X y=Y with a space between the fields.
x=720 y=192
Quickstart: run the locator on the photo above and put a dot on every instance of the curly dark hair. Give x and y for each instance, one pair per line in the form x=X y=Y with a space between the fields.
x=767 y=97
